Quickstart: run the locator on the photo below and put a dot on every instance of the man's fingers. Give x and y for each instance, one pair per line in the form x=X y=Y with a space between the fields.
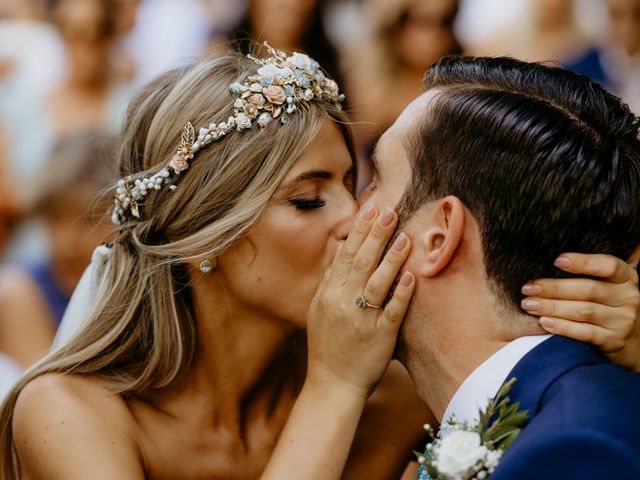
x=583 y=332
x=396 y=308
x=366 y=260
x=382 y=279
x=585 y=289
x=597 y=265
x=361 y=227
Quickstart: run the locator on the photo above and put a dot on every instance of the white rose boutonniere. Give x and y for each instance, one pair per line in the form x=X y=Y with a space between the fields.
x=473 y=451
x=459 y=453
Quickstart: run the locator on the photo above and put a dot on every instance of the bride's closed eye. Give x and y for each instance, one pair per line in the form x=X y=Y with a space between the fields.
x=307 y=204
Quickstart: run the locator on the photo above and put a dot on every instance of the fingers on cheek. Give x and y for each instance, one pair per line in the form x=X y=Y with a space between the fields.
x=405 y=288
x=397 y=307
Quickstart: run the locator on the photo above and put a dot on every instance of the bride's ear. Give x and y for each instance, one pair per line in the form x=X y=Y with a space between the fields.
x=443 y=234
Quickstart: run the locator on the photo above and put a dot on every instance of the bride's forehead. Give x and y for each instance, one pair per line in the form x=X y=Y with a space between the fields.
x=327 y=152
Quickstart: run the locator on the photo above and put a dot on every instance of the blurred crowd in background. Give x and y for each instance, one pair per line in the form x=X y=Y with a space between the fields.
x=68 y=67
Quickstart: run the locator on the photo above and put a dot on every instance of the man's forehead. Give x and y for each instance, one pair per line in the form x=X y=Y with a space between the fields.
x=414 y=112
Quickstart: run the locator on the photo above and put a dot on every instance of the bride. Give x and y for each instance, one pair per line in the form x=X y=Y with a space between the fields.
x=193 y=353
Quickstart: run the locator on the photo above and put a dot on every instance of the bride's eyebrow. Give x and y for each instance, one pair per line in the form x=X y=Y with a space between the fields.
x=313 y=175
x=306 y=176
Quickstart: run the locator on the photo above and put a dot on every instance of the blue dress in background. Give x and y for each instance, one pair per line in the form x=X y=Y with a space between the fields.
x=55 y=299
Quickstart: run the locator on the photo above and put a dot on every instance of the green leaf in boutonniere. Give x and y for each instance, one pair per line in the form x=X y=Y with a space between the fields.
x=473 y=451
x=508 y=420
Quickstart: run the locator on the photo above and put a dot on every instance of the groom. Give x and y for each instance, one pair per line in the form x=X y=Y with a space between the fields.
x=508 y=165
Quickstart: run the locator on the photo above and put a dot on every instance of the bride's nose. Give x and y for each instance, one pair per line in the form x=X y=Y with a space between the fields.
x=348 y=211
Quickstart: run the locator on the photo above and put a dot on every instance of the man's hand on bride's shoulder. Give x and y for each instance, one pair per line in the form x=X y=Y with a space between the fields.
x=352 y=329
x=603 y=310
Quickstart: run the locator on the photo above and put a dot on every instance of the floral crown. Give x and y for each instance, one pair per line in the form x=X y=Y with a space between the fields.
x=281 y=84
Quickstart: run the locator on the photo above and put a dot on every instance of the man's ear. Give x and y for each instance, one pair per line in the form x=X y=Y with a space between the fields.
x=443 y=234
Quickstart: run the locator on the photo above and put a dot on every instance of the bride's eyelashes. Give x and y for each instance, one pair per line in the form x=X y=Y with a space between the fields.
x=306 y=204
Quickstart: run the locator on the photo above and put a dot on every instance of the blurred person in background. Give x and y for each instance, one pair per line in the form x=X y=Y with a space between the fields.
x=31 y=52
x=125 y=18
x=623 y=59
x=91 y=97
x=548 y=30
x=33 y=296
x=31 y=63
x=384 y=74
x=295 y=25
x=92 y=92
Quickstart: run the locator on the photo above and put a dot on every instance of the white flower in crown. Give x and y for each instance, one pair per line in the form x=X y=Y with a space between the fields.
x=274 y=72
x=300 y=60
x=242 y=121
x=236 y=88
x=264 y=119
x=458 y=454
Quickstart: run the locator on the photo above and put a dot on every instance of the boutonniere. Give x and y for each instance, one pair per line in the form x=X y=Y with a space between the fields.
x=472 y=451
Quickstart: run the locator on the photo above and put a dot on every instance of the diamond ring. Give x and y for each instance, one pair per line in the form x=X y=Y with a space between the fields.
x=361 y=302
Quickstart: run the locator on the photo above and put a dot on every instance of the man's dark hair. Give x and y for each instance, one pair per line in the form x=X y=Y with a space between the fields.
x=546 y=161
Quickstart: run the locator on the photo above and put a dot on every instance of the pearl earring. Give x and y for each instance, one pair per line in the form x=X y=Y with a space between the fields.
x=205 y=266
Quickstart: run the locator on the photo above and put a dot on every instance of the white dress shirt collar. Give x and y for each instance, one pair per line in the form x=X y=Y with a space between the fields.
x=485 y=381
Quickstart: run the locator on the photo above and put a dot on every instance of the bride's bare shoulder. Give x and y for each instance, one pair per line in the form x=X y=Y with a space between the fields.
x=69 y=425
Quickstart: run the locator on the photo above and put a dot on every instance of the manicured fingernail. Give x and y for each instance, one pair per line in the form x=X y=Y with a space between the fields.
x=407 y=278
x=530 y=305
x=546 y=322
x=531 y=289
x=562 y=262
x=400 y=242
x=368 y=212
x=387 y=217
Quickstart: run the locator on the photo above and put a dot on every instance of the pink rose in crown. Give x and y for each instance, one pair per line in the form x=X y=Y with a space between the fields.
x=257 y=100
x=274 y=94
x=178 y=163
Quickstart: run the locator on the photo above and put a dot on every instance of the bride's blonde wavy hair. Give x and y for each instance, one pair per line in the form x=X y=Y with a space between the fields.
x=141 y=333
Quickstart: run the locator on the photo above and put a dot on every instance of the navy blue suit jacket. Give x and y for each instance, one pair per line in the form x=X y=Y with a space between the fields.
x=584 y=416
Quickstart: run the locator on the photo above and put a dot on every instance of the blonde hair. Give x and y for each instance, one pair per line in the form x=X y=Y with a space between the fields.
x=141 y=332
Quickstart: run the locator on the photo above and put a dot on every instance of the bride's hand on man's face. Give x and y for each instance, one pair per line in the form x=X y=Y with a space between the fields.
x=604 y=312
x=350 y=346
